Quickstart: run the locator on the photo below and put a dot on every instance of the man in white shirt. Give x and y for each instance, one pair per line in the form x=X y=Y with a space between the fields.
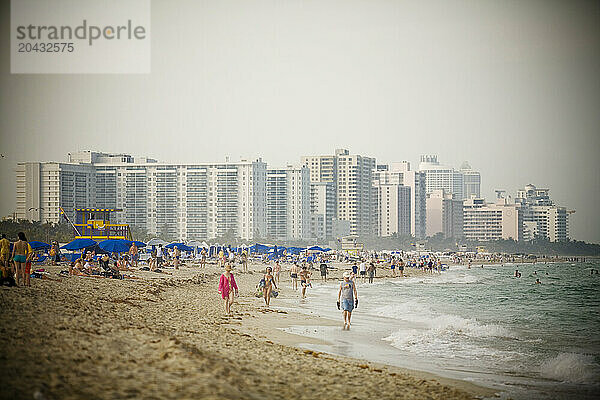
x=363 y=270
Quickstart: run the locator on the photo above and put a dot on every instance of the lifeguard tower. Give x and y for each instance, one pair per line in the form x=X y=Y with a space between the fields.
x=94 y=223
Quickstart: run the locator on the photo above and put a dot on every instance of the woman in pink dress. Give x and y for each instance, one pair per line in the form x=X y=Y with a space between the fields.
x=227 y=286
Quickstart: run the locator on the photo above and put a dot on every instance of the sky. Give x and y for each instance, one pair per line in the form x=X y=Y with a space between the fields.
x=511 y=87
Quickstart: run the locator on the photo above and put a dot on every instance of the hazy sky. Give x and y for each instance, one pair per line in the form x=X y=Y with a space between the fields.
x=511 y=86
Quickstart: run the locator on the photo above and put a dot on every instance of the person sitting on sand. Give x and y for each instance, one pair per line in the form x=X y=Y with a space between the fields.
x=269 y=284
x=348 y=297
x=227 y=286
x=304 y=280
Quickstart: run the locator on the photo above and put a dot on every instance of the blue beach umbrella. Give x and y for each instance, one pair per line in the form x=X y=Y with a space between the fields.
x=115 y=245
x=315 y=248
x=35 y=245
x=79 y=244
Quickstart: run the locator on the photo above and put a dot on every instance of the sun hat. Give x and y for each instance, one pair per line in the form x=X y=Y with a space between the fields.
x=346 y=274
x=228 y=267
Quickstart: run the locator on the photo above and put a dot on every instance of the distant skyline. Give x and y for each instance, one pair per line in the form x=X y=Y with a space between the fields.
x=512 y=88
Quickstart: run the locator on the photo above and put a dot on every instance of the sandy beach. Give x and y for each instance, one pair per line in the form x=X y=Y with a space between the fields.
x=164 y=336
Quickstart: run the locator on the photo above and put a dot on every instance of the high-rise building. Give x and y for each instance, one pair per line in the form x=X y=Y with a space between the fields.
x=444 y=215
x=393 y=209
x=438 y=176
x=352 y=176
x=471 y=181
x=399 y=173
x=484 y=222
x=542 y=218
x=322 y=210
x=288 y=203
x=182 y=201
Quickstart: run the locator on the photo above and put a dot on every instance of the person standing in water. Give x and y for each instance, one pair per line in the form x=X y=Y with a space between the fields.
x=347 y=299
x=304 y=280
x=227 y=288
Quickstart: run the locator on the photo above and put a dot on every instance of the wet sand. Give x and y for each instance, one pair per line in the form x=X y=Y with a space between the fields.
x=167 y=337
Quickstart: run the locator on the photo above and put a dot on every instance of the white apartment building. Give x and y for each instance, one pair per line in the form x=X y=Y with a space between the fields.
x=393 y=209
x=352 y=177
x=542 y=218
x=184 y=201
x=288 y=203
x=471 y=181
x=444 y=215
x=484 y=222
x=399 y=173
x=322 y=210
x=438 y=176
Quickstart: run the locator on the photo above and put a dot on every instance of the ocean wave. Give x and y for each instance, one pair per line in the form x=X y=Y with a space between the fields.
x=572 y=368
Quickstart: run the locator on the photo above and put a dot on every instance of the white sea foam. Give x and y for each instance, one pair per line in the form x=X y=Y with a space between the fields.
x=572 y=368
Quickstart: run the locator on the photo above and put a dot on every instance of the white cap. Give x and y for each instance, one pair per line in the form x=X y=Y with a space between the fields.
x=346 y=274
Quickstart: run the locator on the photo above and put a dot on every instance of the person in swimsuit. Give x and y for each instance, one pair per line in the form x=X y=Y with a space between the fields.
x=203 y=258
x=401 y=267
x=227 y=287
x=134 y=254
x=244 y=261
x=19 y=256
x=393 y=266
x=349 y=299
x=277 y=271
x=294 y=276
x=269 y=284
x=304 y=280
x=323 y=269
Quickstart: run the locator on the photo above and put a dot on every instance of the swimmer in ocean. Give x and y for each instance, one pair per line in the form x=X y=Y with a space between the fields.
x=516 y=273
x=537 y=280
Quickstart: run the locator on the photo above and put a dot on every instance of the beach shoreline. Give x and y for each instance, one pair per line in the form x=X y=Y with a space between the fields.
x=167 y=337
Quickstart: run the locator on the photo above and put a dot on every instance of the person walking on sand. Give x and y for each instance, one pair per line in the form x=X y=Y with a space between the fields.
x=371 y=271
x=269 y=284
x=244 y=261
x=304 y=280
x=363 y=271
x=159 y=256
x=323 y=268
x=294 y=276
x=227 y=288
x=134 y=254
x=277 y=271
x=19 y=256
x=348 y=297
x=393 y=266
x=203 y=258
x=176 y=256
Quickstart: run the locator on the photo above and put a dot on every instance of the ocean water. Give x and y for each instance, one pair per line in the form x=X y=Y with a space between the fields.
x=482 y=325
